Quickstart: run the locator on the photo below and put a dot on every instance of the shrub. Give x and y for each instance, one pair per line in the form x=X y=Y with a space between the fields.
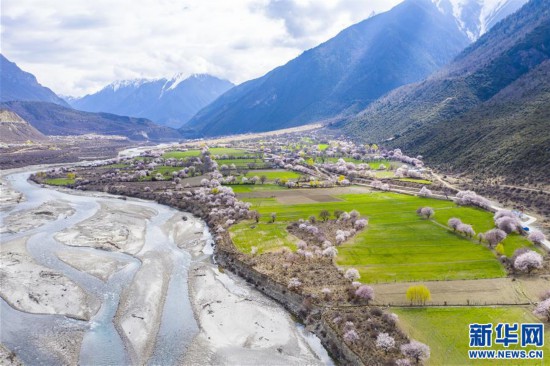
x=351 y=336
x=294 y=283
x=536 y=237
x=543 y=309
x=365 y=292
x=385 y=342
x=352 y=274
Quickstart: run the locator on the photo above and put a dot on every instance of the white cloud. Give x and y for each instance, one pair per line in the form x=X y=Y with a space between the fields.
x=78 y=46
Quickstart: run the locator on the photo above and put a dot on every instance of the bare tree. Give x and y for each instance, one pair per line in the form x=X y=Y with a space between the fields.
x=324 y=215
x=255 y=215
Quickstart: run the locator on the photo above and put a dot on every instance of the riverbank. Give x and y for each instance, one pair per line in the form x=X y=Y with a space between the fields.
x=241 y=326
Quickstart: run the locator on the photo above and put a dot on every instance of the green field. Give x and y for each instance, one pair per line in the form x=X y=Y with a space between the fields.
x=271 y=175
x=335 y=160
x=59 y=181
x=249 y=188
x=398 y=245
x=165 y=170
x=240 y=162
x=421 y=181
x=376 y=164
x=274 y=236
x=384 y=174
x=213 y=151
x=446 y=331
x=323 y=147
x=115 y=166
x=373 y=164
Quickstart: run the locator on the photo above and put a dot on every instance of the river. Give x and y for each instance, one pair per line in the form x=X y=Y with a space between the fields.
x=102 y=344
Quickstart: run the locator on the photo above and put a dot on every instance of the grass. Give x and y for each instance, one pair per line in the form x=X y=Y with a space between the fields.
x=59 y=181
x=482 y=221
x=446 y=331
x=373 y=164
x=166 y=170
x=115 y=166
x=421 y=181
x=249 y=188
x=274 y=236
x=398 y=245
x=213 y=151
x=514 y=242
x=384 y=174
x=240 y=162
x=335 y=160
x=376 y=164
x=323 y=147
x=271 y=175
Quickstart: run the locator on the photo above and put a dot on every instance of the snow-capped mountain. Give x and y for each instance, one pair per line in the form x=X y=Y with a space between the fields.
x=476 y=17
x=135 y=83
x=170 y=102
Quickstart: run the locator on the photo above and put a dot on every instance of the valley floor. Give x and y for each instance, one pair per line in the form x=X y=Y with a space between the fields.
x=102 y=250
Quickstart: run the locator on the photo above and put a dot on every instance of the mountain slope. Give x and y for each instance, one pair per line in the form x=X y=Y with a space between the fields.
x=52 y=119
x=13 y=129
x=505 y=136
x=488 y=110
x=168 y=102
x=342 y=75
x=16 y=84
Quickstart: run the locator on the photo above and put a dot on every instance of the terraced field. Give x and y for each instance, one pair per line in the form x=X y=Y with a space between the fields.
x=213 y=151
x=271 y=175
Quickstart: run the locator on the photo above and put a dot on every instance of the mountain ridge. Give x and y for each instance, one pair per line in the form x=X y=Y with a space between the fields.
x=16 y=84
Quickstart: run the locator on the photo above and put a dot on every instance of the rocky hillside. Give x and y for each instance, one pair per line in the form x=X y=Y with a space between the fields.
x=13 y=129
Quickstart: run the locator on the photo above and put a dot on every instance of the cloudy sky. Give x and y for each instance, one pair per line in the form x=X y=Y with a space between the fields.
x=78 y=46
